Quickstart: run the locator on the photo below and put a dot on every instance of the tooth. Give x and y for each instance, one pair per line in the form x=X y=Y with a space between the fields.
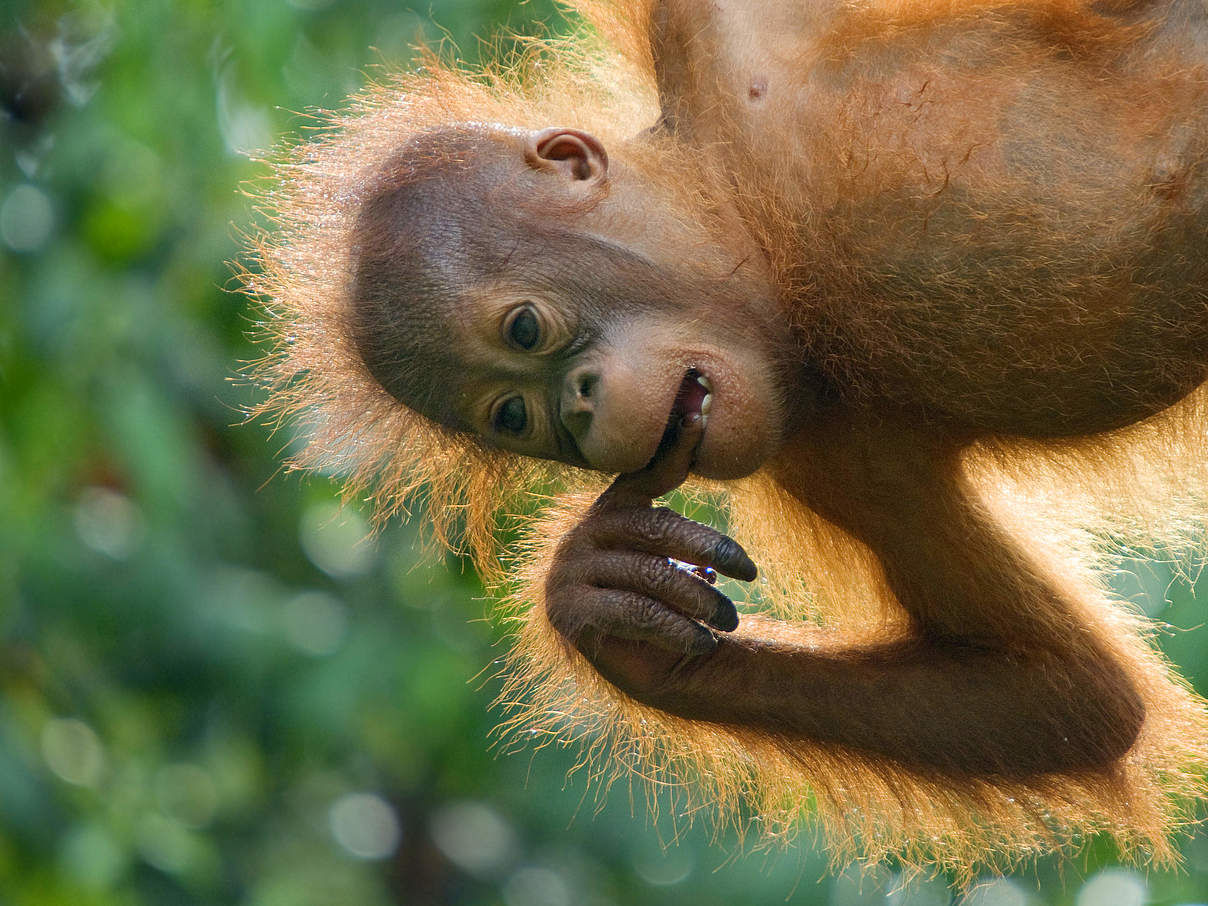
x=706 y=404
x=704 y=382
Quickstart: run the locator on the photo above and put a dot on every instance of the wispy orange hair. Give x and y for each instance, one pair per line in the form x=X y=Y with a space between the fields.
x=1146 y=486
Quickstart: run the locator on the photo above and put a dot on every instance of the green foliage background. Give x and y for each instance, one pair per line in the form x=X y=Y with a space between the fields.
x=212 y=688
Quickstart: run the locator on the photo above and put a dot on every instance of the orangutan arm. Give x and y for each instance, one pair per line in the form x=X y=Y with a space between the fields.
x=998 y=676
x=934 y=706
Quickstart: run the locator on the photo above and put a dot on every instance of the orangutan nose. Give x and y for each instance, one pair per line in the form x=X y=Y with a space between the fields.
x=580 y=395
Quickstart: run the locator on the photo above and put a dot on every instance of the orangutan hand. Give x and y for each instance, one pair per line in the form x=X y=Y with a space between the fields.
x=642 y=573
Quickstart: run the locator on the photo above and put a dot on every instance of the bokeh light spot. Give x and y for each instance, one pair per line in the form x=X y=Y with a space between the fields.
x=337 y=540
x=73 y=751
x=245 y=127
x=996 y=892
x=166 y=844
x=91 y=856
x=532 y=886
x=107 y=522
x=1114 y=887
x=663 y=868
x=365 y=825
x=247 y=600
x=315 y=622
x=473 y=837
x=860 y=886
x=26 y=219
x=918 y=892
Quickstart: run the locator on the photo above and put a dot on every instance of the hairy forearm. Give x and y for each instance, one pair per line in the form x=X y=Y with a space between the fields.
x=942 y=707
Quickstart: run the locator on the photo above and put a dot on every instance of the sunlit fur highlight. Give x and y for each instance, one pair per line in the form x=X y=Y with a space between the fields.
x=1078 y=503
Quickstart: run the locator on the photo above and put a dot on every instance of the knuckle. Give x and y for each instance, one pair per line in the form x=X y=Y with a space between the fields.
x=665 y=622
x=558 y=614
x=568 y=547
x=559 y=596
x=655 y=572
x=638 y=523
x=666 y=518
x=555 y=580
x=650 y=614
x=563 y=614
x=583 y=534
x=562 y=570
x=662 y=525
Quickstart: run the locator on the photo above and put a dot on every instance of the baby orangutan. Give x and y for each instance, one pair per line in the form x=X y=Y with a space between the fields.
x=890 y=276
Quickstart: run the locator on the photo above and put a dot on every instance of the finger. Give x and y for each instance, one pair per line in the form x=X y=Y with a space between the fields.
x=627 y=615
x=665 y=472
x=660 y=531
x=658 y=578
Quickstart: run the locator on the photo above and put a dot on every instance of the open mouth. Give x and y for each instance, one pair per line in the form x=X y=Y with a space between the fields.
x=694 y=397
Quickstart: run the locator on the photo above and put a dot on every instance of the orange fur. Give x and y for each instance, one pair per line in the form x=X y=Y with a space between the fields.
x=1146 y=485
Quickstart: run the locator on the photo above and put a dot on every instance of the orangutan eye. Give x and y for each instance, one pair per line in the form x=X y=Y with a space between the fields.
x=523 y=330
x=511 y=418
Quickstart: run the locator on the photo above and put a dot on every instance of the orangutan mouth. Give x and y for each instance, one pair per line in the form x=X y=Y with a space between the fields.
x=694 y=398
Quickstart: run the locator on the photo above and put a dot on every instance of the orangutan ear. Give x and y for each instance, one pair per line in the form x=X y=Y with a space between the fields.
x=575 y=154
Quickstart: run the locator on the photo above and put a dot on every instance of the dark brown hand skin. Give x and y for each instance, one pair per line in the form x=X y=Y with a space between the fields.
x=613 y=592
x=972 y=689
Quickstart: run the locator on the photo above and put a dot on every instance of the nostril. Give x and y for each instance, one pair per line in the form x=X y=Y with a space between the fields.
x=580 y=396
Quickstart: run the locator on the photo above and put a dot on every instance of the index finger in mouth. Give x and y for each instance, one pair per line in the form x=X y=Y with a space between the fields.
x=668 y=468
